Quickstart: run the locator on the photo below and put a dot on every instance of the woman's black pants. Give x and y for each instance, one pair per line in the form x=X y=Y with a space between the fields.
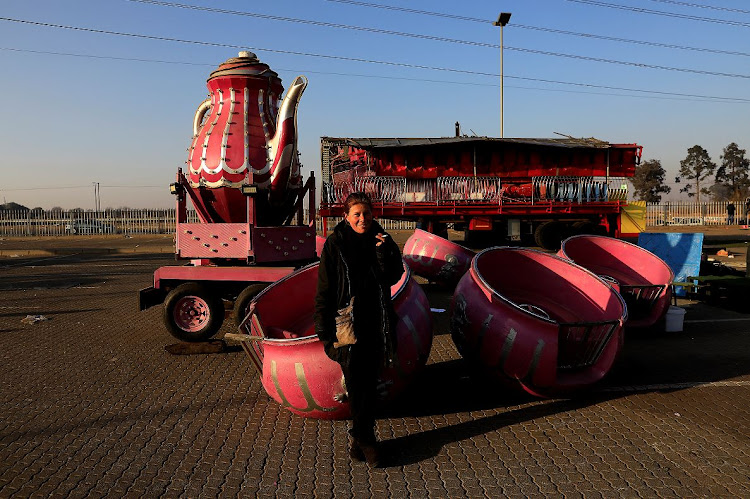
x=361 y=377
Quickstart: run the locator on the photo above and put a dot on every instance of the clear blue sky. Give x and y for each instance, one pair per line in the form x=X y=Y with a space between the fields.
x=119 y=110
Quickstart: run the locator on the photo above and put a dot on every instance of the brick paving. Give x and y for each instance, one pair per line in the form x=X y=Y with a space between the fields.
x=91 y=405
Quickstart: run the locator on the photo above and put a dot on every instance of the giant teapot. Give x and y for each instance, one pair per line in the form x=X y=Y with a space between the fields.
x=242 y=136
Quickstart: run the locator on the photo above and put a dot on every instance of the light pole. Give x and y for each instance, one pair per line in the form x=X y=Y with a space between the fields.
x=502 y=20
x=97 y=197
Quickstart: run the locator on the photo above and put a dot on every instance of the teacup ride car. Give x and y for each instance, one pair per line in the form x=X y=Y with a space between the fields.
x=643 y=279
x=279 y=336
x=536 y=321
x=436 y=258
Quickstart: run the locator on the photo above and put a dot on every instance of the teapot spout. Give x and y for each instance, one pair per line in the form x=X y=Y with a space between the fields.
x=282 y=163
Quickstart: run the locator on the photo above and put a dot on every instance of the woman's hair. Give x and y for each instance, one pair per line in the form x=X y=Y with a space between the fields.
x=356 y=198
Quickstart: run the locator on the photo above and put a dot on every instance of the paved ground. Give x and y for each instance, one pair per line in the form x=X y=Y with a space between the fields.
x=92 y=405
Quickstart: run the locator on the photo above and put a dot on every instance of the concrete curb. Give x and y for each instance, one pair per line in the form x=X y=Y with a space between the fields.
x=26 y=253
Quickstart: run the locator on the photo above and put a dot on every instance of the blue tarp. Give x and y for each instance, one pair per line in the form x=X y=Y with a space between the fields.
x=682 y=252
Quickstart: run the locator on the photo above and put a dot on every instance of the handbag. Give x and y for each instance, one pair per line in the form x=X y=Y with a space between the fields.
x=345 y=326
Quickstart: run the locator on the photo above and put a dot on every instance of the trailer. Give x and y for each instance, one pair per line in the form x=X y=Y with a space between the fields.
x=226 y=264
x=243 y=179
x=537 y=190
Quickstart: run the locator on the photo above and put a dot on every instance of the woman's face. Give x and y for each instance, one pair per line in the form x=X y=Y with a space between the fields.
x=359 y=218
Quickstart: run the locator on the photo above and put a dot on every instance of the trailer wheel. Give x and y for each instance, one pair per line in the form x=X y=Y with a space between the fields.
x=584 y=228
x=549 y=235
x=243 y=300
x=192 y=312
x=589 y=228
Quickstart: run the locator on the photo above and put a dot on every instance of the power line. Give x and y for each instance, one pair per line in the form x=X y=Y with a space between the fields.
x=659 y=95
x=81 y=187
x=641 y=10
x=109 y=57
x=354 y=59
x=134 y=186
x=442 y=39
x=412 y=11
x=47 y=188
x=544 y=29
x=634 y=42
x=702 y=6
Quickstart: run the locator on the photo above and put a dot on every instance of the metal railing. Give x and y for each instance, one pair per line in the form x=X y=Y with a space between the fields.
x=580 y=344
x=580 y=189
x=640 y=299
x=469 y=189
x=385 y=189
x=458 y=190
x=33 y=223
x=58 y=223
x=446 y=189
x=692 y=213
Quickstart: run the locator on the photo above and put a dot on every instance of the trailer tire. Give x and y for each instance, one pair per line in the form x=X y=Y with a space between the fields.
x=243 y=300
x=192 y=313
x=584 y=228
x=549 y=235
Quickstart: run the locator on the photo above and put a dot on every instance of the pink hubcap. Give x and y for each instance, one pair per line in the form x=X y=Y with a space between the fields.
x=191 y=313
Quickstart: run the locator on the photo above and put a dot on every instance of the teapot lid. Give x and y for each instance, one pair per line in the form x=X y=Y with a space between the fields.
x=245 y=64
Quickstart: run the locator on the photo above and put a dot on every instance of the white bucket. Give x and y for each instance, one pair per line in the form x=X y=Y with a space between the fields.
x=674 y=318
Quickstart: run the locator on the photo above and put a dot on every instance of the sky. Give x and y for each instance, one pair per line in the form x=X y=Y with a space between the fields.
x=84 y=105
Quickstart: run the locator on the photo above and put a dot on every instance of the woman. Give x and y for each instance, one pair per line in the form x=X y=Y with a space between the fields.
x=360 y=261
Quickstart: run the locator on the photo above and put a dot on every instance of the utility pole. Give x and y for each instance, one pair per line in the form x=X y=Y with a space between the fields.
x=97 y=197
x=502 y=20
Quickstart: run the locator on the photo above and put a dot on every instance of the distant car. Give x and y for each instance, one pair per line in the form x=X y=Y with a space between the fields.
x=89 y=228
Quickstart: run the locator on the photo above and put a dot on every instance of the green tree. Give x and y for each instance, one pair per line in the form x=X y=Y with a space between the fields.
x=648 y=181
x=733 y=172
x=721 y=192
x=13 y=207
x=695 y=169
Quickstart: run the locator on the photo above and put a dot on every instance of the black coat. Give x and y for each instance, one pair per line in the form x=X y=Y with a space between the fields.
x=344 y=269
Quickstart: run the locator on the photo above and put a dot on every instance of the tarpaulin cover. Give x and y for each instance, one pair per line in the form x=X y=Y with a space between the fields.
x=682 y=252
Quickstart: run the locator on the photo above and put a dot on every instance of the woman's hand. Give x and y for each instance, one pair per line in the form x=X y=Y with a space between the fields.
x=381 y=238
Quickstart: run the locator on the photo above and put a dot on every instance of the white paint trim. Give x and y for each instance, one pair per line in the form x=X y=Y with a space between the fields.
x=246 y=109
x=205 y=167
x=222 y=165
x=261 y=110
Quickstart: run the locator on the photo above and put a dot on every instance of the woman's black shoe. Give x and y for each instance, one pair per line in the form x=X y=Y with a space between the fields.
x=355 y=452
x=371 y=454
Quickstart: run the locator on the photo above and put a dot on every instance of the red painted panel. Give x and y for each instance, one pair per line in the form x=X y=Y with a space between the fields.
x=211 y=274
x=215 y=240
x=284 y=243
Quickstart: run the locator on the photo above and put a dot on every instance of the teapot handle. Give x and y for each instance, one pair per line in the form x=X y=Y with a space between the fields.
x=199 y=114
